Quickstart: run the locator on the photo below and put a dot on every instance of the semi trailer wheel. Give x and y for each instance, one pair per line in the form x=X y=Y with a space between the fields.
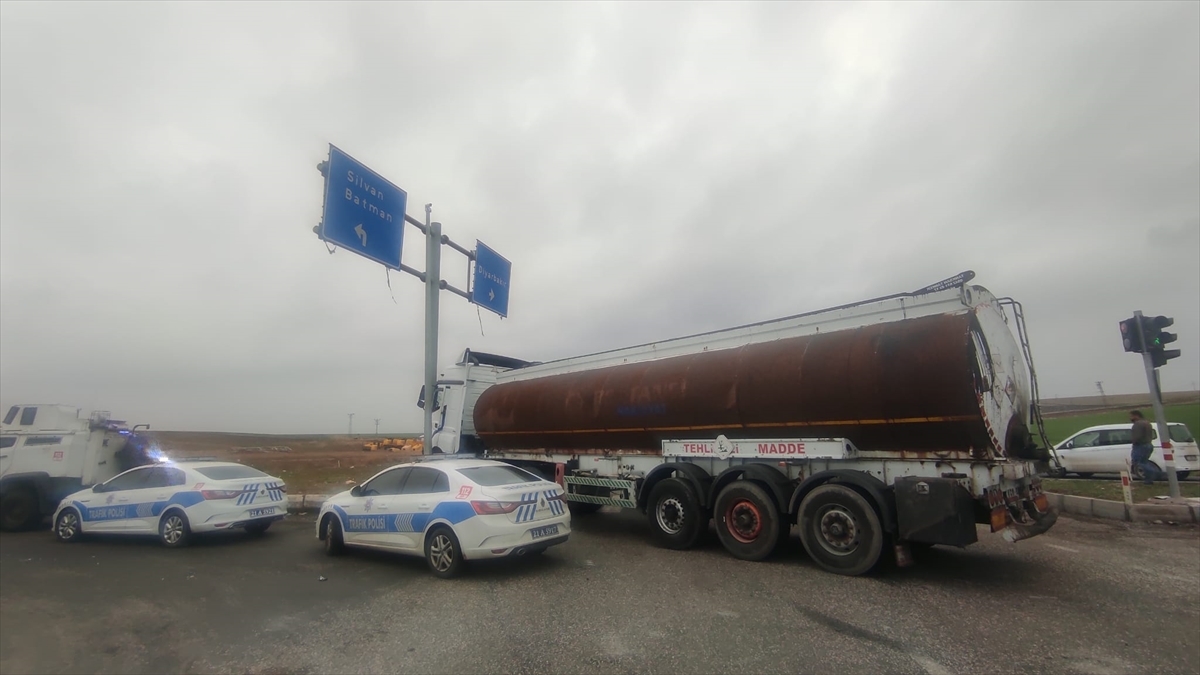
x=840 y=530
x=675 y=514
x=19 y=509
x=748 y=522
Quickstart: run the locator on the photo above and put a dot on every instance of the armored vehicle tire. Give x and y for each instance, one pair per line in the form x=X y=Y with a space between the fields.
x=19 y=509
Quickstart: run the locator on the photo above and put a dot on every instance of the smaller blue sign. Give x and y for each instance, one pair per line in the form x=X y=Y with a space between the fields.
x=364 y=212
x=489 y=288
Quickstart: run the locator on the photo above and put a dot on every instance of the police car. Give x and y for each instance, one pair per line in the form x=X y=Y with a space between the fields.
x=449 y=511
x=174 y=500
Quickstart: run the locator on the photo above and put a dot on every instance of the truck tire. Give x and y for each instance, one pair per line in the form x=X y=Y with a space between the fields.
x=675 y=514
x=19 y=509
x=748 y=522
x=840 y=530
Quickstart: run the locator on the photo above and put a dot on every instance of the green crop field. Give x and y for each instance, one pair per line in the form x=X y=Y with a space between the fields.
x=1059 y=428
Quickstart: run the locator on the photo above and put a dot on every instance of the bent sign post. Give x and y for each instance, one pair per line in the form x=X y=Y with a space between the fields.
x=365 y=213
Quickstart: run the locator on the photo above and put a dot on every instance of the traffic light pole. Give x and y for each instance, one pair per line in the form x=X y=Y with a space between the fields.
x=1160 y=418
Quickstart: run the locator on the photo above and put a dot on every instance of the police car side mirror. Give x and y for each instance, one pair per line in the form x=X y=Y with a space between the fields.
x=356 y=491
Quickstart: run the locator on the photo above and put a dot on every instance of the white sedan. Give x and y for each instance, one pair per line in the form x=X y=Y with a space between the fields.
x=448 y=511
x=174 y=500
x=1107 y=448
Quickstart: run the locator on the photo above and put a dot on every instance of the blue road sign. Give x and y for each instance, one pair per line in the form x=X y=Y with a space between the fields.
x=364 y=212
x=489 y=289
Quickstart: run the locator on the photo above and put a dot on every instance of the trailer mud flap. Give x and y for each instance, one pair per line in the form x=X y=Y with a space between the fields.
x=934 y=511
x=1018 y=531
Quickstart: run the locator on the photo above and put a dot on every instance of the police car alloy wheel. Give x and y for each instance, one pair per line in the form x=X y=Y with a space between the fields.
x=442 y=553
x=67 y=527
x=173 y=529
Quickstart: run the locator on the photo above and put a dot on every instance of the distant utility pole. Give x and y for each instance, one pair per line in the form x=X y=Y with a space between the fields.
x=1103 y=396
x=376 y=426
x=351 y=431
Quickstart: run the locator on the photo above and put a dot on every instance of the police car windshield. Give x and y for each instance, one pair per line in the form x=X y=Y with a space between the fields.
x=229 y=472
x=489 y=476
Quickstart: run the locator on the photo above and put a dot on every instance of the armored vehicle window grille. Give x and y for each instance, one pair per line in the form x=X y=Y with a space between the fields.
x=43 y=440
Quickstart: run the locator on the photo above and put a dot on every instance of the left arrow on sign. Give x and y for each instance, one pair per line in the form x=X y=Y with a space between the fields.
x=362 y=234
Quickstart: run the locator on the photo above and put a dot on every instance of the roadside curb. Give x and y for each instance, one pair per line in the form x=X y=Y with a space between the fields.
x=300 y=503
x=1112 y=510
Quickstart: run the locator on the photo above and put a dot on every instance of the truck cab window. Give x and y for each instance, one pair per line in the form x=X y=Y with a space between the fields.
x=28 y=415
x=12 y=414
x=8 y=441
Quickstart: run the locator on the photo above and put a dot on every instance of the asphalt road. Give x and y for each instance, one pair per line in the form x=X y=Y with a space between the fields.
x=1089 y=597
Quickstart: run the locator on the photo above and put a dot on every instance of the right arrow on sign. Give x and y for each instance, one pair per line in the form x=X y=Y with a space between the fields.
x=491 y=295
x=362 y=234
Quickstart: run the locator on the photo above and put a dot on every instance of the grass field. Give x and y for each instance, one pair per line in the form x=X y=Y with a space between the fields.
x=1059 y=428
x=1111 y=489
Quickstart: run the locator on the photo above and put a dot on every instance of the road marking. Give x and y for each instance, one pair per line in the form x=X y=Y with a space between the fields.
x=1062 y=548
x=932 y=667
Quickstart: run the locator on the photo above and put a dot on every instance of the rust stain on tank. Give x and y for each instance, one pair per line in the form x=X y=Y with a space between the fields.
x=903 y=386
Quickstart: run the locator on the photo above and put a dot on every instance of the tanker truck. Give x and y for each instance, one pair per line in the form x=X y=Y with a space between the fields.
x=879 y=426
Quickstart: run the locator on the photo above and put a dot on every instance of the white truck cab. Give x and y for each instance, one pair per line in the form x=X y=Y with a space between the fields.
x=459 y=386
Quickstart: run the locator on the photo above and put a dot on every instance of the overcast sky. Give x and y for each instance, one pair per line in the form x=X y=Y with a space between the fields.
x=652 y=170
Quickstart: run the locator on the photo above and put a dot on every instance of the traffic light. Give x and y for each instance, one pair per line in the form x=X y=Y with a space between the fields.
x=1131 y=337
x=1156 y=339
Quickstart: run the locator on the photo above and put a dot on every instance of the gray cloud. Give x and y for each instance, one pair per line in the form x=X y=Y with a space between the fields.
x=652 y=170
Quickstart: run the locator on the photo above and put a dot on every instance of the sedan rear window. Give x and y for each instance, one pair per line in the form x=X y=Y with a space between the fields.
x=489 y=476
x=229 y=472
x=1180 y=433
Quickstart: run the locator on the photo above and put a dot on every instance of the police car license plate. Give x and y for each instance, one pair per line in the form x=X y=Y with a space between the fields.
x=547 y=531
x=270 y=511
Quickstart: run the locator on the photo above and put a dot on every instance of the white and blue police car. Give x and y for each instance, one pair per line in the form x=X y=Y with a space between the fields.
x=174 y=500
x=449 y=511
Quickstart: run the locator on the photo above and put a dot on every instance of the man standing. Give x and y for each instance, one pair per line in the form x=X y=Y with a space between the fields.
x=1143 y=446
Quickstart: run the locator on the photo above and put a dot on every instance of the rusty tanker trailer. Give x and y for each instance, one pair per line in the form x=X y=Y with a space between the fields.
x=896 y=421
